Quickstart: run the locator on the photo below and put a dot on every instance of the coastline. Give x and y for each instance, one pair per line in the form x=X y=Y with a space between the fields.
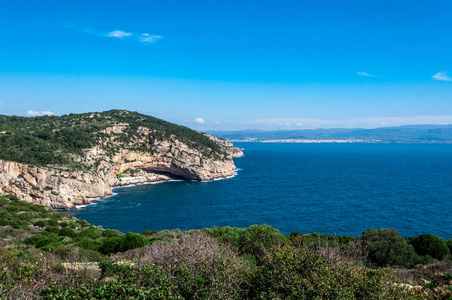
x=114 y=187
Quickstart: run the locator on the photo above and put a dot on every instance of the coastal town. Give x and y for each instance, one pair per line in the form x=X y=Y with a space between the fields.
x=306 y=141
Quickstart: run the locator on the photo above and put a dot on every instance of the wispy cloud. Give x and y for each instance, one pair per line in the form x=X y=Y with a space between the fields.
x=365 y=74
x=118 y=34
x=148 y=38
x=34 y=113
x=143 y=38
x=200 y=121
x=443 y=76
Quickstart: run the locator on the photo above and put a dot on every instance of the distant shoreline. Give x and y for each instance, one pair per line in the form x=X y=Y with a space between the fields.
x=336 y=141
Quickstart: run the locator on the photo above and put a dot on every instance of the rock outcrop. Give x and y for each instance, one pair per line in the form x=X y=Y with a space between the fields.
x=167 y=159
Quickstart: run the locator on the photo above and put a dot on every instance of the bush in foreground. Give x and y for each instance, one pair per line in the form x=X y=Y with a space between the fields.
x=427 y=244
x=386 y=247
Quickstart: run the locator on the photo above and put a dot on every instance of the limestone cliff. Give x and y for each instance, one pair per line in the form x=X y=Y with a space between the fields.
x=123 y=154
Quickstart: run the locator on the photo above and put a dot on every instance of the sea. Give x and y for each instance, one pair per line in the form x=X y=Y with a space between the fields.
x=337 y=189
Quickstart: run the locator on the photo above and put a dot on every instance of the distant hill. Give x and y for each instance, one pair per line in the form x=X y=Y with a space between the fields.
x=407 y=134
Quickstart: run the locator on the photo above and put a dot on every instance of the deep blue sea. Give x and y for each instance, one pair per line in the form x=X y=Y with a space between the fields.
x=326 y=188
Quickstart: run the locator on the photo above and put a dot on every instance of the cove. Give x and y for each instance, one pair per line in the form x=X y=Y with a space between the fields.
x=326 y=188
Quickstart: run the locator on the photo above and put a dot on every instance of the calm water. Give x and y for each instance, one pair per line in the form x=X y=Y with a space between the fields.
x=326 y=188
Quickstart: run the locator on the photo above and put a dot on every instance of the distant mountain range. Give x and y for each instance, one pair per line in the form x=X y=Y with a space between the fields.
x=401 y=134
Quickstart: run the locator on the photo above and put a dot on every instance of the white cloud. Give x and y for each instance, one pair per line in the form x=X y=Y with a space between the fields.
x=443 y=76
x=34 y=113
x=365 y=74
x=119 y=34
x=145 y=38
x=148 y=38
x=200 y=120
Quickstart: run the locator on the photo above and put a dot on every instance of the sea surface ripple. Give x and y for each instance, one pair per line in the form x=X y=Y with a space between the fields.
x=326 y=188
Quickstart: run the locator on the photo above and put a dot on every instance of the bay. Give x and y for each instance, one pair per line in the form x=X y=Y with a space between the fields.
x=327 y=188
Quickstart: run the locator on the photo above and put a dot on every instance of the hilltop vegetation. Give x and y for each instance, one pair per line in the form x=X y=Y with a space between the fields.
x=49 y=255
x=52 y=140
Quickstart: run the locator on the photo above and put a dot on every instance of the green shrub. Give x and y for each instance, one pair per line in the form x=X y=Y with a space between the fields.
x=41 y=223
x=252 y=240
x=315 y=240
x=226 y=234
x=3 y=201
x=67 y=231
x=293 y=273
x=148 y=282
x=257 y=238
x=386 y=247
x=11 y=197
x=110 y=245
x=26 y=216
x=131 y=241
x=52 y=222
x=428 y=244
x=42 y=240
x=87 y=243
x=111 y=233
x=64 y=224
x=92 y=233
x=148 y=232
x=52 y=229
x=449 y=245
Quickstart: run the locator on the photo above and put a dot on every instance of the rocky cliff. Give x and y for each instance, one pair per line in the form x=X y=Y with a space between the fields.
x=123 y=154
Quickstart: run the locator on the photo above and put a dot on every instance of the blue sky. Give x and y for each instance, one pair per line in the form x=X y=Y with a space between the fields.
x=231 y=64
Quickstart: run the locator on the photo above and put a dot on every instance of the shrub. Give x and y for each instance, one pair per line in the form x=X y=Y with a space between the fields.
x=293 y=273
x=198 y=265
x=92 y=233
x=252 y=240
x=131 y=241
x=315 y=240
x=256 y=238
x=64 y=224
x=40 y=241
x=52 y=229
x=52 y=222
x=145 y=283
x=428 y=244
x=110 y=245
x=110 y=233
x=67 y=231
x=87 y=243
x=40 y=223
x=226 y=234
x=148 y=232
x=449 y=245
x=386 y=247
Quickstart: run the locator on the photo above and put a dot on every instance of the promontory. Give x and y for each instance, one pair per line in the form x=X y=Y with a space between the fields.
x=63 y=161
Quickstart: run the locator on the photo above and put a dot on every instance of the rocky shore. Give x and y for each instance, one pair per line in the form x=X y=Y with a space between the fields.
x=61 y=188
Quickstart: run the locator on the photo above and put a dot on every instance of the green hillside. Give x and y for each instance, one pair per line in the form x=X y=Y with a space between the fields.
x=52 y=140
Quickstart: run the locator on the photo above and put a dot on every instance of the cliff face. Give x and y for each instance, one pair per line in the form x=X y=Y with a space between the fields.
x=166 y=159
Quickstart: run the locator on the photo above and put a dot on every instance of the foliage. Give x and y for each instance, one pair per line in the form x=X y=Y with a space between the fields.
x=386 y=247
x=428 y=244
x=123 y=243
x=67 y=231
x=253 y=240
x=199 y=266
x=217 y=263
x=449 y=245
x=52 y=140
x=292 y=273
